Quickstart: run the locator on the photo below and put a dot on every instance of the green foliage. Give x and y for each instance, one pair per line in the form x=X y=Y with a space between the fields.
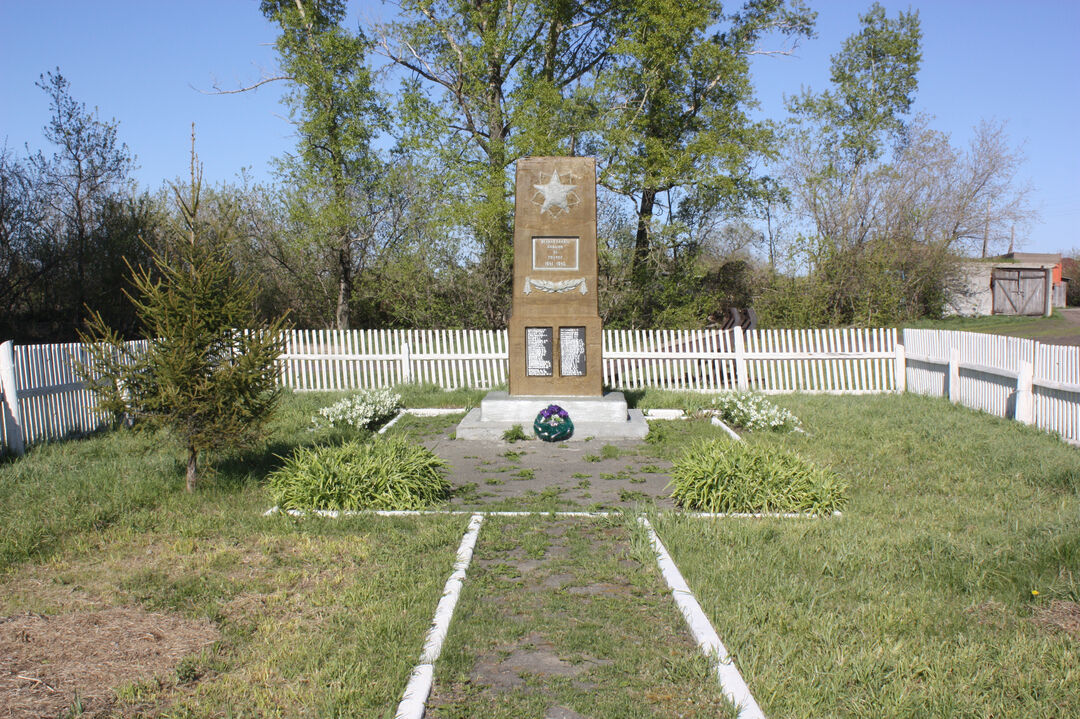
x=874 y=79
x=514 y=434
x=724 y=476
x=1070 y=267
x=70 y=222
x=336 y=196
x=208 y=371
x=384 y=473
x=680 y=129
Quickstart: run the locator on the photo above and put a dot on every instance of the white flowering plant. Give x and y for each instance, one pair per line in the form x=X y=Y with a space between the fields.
x=364 y=410
x=753 y=412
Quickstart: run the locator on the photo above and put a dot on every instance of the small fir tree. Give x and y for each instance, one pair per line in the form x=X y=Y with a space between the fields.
x=208 y=371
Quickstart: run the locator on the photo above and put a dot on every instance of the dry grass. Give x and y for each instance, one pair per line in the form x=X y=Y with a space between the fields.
x=78 y=661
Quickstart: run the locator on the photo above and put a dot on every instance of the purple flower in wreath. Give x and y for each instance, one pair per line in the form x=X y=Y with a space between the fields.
x=554 y=414
x=553 y=424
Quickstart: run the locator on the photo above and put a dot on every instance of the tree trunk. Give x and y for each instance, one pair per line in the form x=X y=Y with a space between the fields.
x=345 y=280
x=644 y=227
x=192 y=468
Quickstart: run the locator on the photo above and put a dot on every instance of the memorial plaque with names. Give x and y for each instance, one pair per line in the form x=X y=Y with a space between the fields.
x=572 y=351
x=538 y=351
x=555 y=253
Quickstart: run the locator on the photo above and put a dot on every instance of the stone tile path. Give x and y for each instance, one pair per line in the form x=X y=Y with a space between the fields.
x=565 y=619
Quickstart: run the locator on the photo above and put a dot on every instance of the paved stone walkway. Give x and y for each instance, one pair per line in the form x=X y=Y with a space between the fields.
x=561 y=619
x=535 y=474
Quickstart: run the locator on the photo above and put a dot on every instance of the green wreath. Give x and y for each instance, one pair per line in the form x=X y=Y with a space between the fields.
x=553 y=424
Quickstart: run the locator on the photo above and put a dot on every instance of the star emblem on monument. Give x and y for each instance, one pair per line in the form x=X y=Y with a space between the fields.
x=559 y=197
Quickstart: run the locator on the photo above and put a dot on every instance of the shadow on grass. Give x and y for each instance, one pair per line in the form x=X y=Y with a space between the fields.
x=253 y=465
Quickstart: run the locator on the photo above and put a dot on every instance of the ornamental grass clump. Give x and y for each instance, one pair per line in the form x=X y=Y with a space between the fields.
x=753 y=412
x=725 y=476
x=364 y=410
x=384 y=473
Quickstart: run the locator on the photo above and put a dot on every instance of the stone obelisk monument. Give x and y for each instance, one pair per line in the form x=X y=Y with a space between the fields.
x=555 y=325
x=555 y=339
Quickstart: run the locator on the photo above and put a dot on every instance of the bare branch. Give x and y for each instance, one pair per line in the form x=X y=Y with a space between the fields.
x=260 y=83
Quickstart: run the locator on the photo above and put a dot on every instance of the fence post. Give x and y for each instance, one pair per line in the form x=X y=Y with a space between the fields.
x=740 y=360
x=900 y=369
x=406 y=363
x=1048 y=291
x=13 y=427
x=954 y=375
x=1025 y=396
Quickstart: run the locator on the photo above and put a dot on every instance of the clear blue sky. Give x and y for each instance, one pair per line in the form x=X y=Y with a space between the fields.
x=143 y=61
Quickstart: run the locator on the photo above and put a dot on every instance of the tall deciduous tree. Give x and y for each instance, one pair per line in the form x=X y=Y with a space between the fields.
x=507 y=79
x=679 y=92
x=841 y=131
x=336 y=173
x=874 y=80
x=209 y=369
x=86 y=172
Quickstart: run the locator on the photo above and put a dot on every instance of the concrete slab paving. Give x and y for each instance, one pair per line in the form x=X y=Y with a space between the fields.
x=593 y=474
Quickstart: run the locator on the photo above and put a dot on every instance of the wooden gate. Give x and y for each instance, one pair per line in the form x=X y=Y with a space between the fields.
x=1019 y=291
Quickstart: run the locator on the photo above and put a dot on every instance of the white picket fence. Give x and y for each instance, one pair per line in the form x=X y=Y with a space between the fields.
x=1010 y=377
x=43 y=400
x=836 y=360
x=41 y=396
x=322 y=360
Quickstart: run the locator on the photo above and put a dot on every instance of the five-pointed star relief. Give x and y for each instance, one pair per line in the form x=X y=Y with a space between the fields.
x=558 y=197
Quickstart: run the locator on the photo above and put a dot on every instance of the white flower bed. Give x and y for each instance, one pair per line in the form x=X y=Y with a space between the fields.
x=754 y=412
x=364 y=410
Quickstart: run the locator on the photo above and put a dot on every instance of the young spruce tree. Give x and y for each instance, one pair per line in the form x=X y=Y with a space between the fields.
x=209 y=369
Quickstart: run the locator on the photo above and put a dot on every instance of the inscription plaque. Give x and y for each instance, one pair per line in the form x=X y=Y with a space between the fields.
x=538 y=351
x=572 y=351
x=555 y=253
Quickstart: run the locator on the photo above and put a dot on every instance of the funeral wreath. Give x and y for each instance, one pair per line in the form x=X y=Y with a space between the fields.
x=553 y=424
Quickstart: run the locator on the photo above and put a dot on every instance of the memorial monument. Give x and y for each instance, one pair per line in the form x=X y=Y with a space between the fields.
x=554 y=331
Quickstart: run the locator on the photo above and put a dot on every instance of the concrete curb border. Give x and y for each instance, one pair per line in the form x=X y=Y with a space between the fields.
x=731 y=681
x=414 y=700
x=717 y=422
x=338 y=514
x=420 y=412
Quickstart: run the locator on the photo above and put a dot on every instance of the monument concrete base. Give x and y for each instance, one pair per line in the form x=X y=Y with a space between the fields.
x=604 y=417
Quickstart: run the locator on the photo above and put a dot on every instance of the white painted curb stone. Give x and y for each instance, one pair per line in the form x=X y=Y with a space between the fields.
x=716 y=421
x=417 y=690
x=388 y=425
x=335 y=514
x=434 y=411
x=731 y=681
x=665 y=414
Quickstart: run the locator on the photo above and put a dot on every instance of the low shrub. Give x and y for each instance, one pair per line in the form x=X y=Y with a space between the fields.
x=724 y=476
x=384 y=473
x=364 y=410
x=753 y=412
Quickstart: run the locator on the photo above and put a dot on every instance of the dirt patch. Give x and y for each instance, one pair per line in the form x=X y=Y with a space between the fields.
x=45 y=660
x=532 y=655
x=1059 y=616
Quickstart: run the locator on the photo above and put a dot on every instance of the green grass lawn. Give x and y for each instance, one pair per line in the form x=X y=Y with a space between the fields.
x=1030 y=327
x=917 y=602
